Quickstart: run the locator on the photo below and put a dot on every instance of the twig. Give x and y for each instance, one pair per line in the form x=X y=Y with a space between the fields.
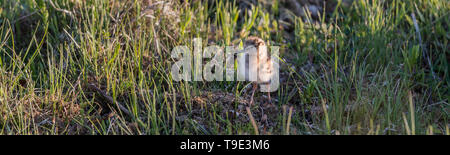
x=61 y=10
x=110 y=99
x=252 y=120
x=71 y=38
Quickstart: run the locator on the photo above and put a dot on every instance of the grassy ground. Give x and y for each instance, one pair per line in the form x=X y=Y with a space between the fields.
x=364 y=68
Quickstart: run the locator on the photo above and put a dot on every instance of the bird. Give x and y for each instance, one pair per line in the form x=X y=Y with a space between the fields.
x=260 y=65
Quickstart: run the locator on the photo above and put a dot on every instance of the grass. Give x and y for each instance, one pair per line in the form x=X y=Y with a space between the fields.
x=103 y=67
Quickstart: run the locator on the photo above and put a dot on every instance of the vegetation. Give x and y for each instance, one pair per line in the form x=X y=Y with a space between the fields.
x=103 y=67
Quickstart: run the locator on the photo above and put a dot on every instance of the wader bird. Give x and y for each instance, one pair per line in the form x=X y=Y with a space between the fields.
x=255 y=66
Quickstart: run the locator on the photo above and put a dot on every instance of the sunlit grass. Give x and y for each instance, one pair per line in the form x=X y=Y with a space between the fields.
x=68 y=66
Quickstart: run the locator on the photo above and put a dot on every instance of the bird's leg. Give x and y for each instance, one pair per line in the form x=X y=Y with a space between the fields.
x=268 y=95
x=255 y=86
